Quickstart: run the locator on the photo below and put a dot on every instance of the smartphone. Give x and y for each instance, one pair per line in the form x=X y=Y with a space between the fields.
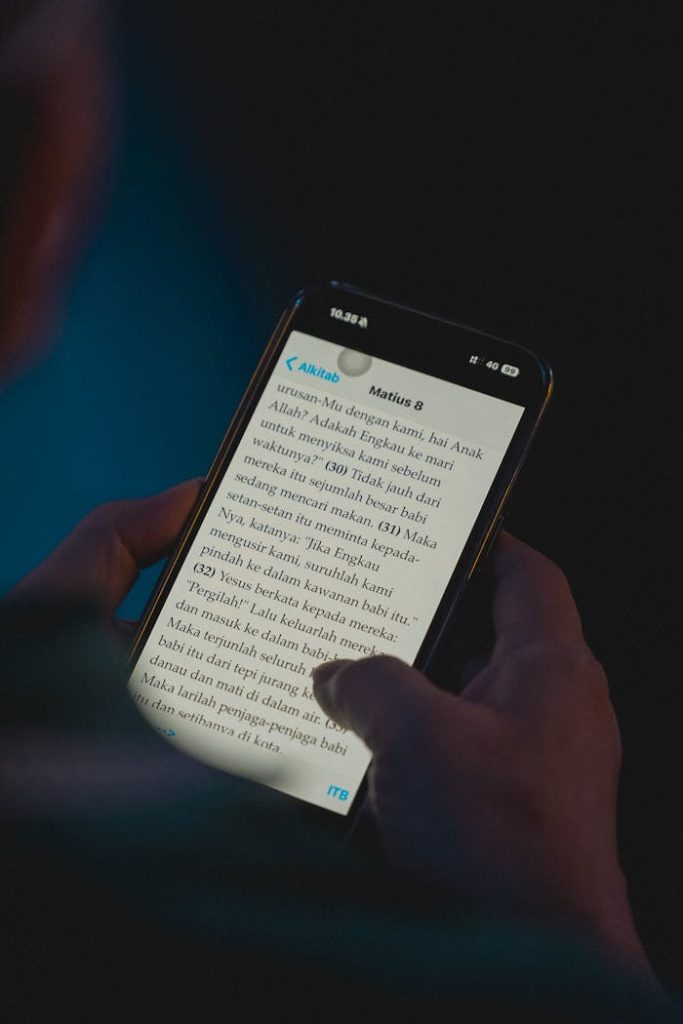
x=356 y=492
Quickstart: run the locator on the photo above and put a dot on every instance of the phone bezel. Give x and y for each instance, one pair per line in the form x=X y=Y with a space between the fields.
x=395 y=333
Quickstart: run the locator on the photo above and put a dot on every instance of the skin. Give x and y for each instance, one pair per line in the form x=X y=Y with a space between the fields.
x=506 y=793
x=52 y=771
x=102 y=558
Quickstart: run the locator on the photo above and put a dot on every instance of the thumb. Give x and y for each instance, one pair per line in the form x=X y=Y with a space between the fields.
x=102 y=557
x=381 y=699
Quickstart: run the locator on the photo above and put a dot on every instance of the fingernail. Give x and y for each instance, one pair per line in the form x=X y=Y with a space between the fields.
x=323 y=673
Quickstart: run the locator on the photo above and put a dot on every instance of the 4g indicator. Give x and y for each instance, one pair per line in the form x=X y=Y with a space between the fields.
x=351 y=501
x=492 y=364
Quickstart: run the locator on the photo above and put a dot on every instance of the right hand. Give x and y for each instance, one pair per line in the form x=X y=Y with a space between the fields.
x=505 y=794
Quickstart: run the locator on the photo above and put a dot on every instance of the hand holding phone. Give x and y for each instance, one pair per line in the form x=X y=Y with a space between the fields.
x=503 y=795
x=357 y=490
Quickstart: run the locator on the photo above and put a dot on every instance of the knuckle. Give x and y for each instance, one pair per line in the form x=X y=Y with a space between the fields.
x=551 y=567
x=587 y=673
x=545 y=566
x=550 y=656
x=572 y=669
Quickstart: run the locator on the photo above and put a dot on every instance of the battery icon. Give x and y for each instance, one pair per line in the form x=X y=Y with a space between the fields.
x=509 y=371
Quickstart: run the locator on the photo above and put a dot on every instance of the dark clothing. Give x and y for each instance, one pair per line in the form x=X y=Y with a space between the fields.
x=201 y=897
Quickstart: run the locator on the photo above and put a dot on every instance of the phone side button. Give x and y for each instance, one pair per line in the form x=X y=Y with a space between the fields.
x=485 y=553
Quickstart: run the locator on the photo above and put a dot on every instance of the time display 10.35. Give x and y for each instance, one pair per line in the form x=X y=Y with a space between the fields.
x=347 y=317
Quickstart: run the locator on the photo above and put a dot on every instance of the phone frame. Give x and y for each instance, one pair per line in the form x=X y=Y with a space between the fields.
x=393 y=339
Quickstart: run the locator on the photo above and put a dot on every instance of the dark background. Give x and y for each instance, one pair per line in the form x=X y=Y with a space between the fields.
x=510 y=166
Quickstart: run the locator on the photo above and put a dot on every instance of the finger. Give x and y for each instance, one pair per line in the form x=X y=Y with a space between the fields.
x=473 y=667
x=126 y=630
x=102 y=557
x=532 y=601
x=381 y=699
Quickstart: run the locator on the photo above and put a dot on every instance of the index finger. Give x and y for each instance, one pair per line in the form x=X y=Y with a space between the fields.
x=533 y=602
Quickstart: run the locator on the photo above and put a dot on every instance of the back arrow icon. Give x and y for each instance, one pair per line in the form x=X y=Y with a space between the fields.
x=292 y=359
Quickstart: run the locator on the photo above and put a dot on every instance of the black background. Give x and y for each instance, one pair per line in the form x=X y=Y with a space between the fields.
x=510 y=166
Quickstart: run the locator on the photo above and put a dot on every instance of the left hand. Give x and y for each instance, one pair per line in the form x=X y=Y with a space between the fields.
x=102 y=557
x=53 y=769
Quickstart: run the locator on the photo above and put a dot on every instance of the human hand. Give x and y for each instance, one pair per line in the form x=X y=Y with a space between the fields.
x=81 y=744
x=506 y=793
x=102 y=557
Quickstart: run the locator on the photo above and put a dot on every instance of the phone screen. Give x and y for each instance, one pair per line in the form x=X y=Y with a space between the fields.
x=333 y=533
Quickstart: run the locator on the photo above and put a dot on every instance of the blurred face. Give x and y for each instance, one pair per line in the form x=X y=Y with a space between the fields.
x=56 y=99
